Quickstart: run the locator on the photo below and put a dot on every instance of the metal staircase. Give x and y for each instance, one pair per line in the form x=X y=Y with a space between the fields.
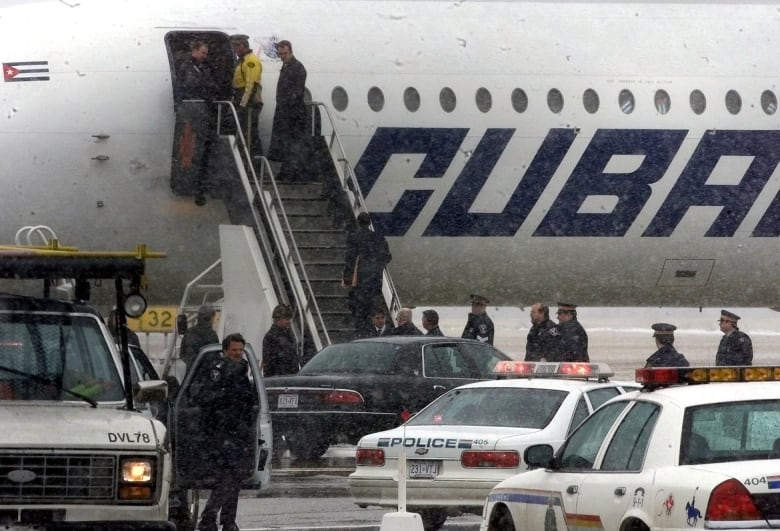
x=300 y=227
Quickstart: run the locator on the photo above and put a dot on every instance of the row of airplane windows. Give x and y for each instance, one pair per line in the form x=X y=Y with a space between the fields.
x=590 y=100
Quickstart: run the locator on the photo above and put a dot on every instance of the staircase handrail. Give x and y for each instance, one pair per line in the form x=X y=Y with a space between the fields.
x=307 y=305
x=351 y=186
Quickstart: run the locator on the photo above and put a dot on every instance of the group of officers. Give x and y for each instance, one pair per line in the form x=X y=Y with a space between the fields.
x=568 y=341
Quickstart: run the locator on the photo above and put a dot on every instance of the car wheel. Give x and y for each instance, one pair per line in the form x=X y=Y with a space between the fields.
x=307 y=446
x=433 y=519
x=185 y=514
x=501 y=520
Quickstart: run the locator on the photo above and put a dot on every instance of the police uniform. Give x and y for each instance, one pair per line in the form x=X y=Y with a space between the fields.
x=666 y=355
x=572 y=338
x=280 y=348
x=735 y=347
x=479 y=326
x=228 y=415
x=542 y=341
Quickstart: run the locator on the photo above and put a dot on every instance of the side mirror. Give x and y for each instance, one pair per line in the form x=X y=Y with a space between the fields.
x=150 y=391
x=539 y=456
x=181 y=323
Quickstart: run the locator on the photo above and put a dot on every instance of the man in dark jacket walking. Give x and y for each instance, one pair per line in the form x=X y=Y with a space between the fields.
x=573 y=340
x=735 y=347
x=280 y=349
x=479 y=325
x=365 y=258
x=666 y=355
x=229 y=415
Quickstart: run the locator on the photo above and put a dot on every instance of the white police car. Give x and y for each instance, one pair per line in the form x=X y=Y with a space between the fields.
x=669 y=457
x=466 y=441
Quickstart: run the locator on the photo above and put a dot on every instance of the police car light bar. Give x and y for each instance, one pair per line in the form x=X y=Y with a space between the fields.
x=662 y=376
x=531 y=369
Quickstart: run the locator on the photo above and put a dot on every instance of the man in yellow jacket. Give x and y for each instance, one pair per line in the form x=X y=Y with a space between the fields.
x=247 y=91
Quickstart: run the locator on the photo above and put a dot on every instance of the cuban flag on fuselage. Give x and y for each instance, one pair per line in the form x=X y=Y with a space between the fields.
x=26 y=71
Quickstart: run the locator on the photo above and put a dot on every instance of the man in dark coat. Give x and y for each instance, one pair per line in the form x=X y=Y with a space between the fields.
x=280 y=349
x=735 y=347
x=195 y=120
x=666 y=355
x=198 y=336
x=380 y=327
x=365 y=258
x=542 y=340
x=289 y=126
x=479 y=325
x=430 y=322
x=405 y=325
x=228 y=403
x=573 y=340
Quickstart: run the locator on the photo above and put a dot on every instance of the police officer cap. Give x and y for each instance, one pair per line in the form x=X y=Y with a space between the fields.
x=663 y=329
x=282 y=311
x=239 y=37
x=479 y=299
x=727 y=314
x=567 y=306
x=206 y=312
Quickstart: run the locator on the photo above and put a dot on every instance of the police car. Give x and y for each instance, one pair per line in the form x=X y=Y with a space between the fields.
x=465 y=442
x=696 y=448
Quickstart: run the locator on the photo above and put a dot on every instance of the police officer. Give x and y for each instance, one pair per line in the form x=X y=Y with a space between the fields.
x=542 y=340
x=228 y=418
x=247 y=91
x=573 y=340
x=198 y=336
x=479 y=325
x=735 y=346
x=280 y=349
x=666 y=355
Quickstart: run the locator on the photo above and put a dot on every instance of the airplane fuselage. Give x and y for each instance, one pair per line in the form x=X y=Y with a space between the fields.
x=603 y=153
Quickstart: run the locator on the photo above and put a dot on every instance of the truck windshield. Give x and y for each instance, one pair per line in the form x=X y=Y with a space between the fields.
x=45 y=355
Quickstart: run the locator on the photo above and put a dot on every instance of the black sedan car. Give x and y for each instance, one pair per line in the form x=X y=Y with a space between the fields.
x=351 y=389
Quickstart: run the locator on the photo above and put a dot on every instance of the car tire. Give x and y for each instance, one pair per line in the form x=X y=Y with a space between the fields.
x=432 y=519
x=501 y=520
x=307 y=446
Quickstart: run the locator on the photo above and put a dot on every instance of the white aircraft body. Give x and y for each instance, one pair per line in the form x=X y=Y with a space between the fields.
x=604 y=153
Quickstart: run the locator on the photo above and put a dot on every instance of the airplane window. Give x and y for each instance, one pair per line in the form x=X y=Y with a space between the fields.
x=698 y=101
x=662 y=101
x=733 y=102
x=555 y=100
x=519 y=100
x=376 y=99
x=447 y=99
x=412 y=99
x=769 y=102
x=339 y=98
x=484 y=99
x=590 y=99
x=626 y=101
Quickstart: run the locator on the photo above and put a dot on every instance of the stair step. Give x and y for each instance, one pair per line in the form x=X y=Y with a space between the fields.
x=321 y=254
x=331 y=303
x=311 y=222
x=326 y=238
x=324 y=271
x=307 y=207
x=299 y=190
x=328 y=287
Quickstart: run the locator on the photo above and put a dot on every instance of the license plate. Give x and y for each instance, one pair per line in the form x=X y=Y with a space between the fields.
x=423 y=469
x=287 y=401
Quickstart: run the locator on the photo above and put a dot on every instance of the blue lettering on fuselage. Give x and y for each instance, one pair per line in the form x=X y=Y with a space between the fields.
x=631 y=191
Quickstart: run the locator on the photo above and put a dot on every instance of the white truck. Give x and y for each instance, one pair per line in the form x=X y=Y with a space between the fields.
x=82 y=444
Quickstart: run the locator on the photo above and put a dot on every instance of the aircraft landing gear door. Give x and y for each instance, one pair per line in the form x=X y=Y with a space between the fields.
x=196 y=122
x=193 y=452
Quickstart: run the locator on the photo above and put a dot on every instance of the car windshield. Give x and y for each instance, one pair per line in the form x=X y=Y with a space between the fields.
x=490 y=406
x=358 y=358
x=731 y=431
x=55 y=357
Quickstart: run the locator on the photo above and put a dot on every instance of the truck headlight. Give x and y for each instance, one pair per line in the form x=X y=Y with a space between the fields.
x=136 y=480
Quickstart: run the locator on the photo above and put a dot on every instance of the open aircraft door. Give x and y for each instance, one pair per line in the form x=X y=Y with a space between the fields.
x=191 y=461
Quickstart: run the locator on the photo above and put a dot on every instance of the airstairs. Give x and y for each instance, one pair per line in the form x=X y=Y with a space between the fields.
x=300 y=230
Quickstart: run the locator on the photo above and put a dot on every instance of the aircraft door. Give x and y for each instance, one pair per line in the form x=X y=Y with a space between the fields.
x=194 y=146
x=193 y=452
